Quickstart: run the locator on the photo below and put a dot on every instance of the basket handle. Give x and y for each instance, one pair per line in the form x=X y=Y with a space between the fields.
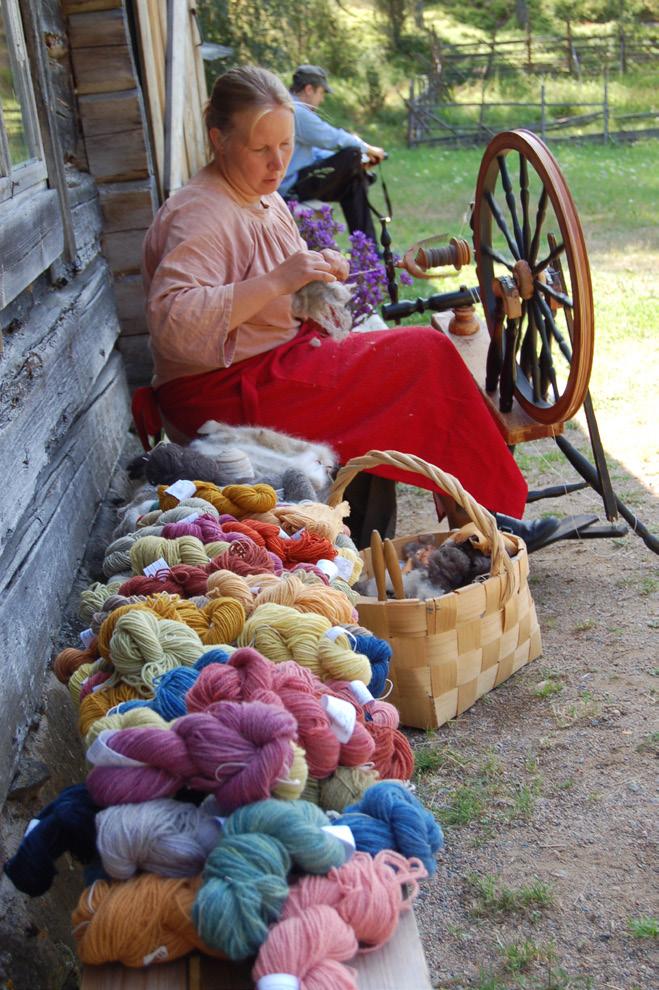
x=484 y=520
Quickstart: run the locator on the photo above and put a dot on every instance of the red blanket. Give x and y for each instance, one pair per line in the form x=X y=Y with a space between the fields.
x=405 y=389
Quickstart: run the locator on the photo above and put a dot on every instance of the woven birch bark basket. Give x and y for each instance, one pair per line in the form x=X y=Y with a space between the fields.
x=449 y=651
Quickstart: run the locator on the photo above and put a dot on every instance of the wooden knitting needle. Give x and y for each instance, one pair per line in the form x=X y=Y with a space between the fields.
x=393 y=566
x=377 y=562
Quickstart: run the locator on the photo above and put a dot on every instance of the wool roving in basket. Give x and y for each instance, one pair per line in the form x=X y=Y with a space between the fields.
x=282 y=633
x=312 y=949
x=389 y=816
x=237 y=752
x=237 y=500
x=245 y=877
x=171 y=838
x=143 y=647
x=137 y=922
x=64 y=825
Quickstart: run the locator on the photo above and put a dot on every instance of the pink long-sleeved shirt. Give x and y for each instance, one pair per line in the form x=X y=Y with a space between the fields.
x=201 y=242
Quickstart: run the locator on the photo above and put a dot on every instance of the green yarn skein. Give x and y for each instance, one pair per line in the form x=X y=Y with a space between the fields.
x=143 y=647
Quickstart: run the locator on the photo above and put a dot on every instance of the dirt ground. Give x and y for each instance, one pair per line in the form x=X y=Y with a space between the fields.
x=546 y=787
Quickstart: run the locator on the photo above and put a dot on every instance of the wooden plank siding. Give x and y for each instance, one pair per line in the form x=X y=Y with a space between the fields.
x=117 y=145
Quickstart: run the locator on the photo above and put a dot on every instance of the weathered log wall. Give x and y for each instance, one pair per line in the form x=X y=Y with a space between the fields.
x=64 y=408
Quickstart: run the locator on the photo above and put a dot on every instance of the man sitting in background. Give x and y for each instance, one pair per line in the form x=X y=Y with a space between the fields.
x=315 y=172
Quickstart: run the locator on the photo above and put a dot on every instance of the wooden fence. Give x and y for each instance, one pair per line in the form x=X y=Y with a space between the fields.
x=569 y=54
x=431 y=122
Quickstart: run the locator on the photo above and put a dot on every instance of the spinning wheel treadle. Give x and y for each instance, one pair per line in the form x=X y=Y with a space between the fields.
x=534 y=280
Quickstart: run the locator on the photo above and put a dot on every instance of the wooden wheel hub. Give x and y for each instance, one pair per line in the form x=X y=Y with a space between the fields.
x=523 y=278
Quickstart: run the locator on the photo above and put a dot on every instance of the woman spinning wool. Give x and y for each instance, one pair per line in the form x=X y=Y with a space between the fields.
x=221 y=262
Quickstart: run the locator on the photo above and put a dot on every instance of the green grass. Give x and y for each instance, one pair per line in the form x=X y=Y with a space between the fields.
x=519 y=956
x=547 y=688
x=493 y=899
x=643 y=927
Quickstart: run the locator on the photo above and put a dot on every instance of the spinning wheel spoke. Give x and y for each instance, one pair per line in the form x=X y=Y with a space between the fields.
x=555 y=332
x=547 y=370
x=551 y=313
x=502 y=225
x=524 y=197
x=558 y=296
x=539 y=220
x=510 y=200
x=491 y=253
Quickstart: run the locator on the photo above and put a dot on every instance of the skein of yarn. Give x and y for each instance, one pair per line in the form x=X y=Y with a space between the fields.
x=97 y=704
x=144 y=646
x=137 y=922
x=245 y=883
x=171 y=838
x=311 y=948
x=345 y=786
x=64 y=825
x=238 y=500
x=238 y=752
x=389 y=816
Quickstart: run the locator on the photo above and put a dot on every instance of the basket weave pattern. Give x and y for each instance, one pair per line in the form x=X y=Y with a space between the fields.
x=450 y=651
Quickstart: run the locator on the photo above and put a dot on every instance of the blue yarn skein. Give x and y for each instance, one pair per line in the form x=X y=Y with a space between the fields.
x=297 y=825
x=65 y=825
x=388 y=816
x=211 y=656
x=379 y=653
x=244 y=891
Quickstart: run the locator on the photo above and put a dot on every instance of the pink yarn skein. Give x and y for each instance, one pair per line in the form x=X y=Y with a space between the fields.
x=312 y=948
x=237 y=752
x=205 y=528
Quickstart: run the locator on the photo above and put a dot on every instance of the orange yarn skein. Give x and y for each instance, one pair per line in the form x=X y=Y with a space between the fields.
x=137 y=922
x=98 y=703
x=235 y=500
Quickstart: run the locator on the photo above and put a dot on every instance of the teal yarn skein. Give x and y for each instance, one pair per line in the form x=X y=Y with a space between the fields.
x=245 y=877
x=243 y=893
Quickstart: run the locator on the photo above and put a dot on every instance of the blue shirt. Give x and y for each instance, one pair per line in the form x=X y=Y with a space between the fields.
x=314 y=139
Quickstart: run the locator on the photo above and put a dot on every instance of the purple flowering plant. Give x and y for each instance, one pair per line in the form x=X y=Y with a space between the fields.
x=367 y=273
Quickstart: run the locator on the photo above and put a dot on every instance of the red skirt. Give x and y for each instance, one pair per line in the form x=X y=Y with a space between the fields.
x=405 y=389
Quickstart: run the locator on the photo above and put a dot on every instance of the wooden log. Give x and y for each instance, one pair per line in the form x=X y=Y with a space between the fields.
x=110 y=113
x=49 y=373
x=121 y=158
x=152 y=49
x=127 y=205
x=85 y=214
x=88 y=6
x=31 y=238
x=97 y=29
x=129 y=294
x=123 y=250
x=37 y=568
x=137 y=356
x=104 y=72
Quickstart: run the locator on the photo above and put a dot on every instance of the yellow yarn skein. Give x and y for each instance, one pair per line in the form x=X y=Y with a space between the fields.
x=316 y=517
x=134 y=718
x=226 y=584
x=98 y=703
x=184 y=550
x=77 y=679
x=354 y=559
x=292 y=787
x=144 y=646
x=236 y=500
x=281 y=633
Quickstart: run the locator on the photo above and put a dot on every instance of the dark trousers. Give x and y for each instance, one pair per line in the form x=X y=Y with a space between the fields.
x=338 y=179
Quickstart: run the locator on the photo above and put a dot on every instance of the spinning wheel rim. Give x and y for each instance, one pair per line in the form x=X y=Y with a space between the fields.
x=538 y=156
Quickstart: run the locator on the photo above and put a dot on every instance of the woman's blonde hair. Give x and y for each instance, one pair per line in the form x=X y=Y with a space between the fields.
x=246 y=87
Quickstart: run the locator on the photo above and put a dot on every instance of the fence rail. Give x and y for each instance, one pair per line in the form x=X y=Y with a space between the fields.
x=433 y=122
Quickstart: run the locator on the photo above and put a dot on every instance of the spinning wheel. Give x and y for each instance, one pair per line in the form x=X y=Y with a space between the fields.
x=534 y=279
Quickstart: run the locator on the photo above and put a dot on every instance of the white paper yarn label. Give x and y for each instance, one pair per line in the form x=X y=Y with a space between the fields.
x=86 y=637
x=344 y=567
x=158 y=566
x=361 y=692
x=158 y=955
x=342 y=716
x=334 y=632
x=297 y=535
x=100 y=754
x=98 y=687
x=181 y=489
x=278 y=981
x=329 y=568
x=284 y=535
x=31 y=824
x=344 y=834
x=195 y=514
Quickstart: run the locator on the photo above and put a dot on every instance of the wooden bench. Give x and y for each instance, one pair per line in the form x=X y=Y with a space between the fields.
x=398 y=965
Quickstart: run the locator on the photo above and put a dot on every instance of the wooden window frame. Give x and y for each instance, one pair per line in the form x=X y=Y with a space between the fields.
x=32 y=173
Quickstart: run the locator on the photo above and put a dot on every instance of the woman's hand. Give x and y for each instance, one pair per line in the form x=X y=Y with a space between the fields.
x=300 y=269
x=338 y=264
